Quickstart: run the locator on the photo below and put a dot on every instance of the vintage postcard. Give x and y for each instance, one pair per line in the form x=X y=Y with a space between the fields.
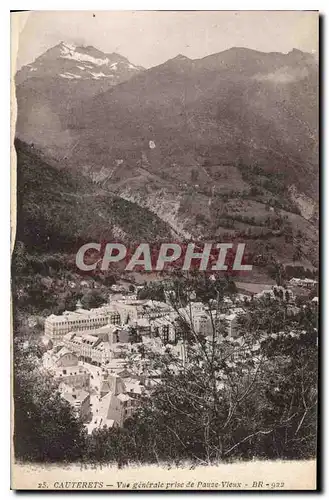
x=165 y=250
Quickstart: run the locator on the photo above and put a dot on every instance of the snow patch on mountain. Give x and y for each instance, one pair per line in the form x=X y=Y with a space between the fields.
x=97 y=76
x=68 y=46
x=66 y=76
x=70 y=53
x=70 y=76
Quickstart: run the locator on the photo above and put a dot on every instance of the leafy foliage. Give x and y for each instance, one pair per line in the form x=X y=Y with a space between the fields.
x=236 y=399
x=46 y=429
x=153 y=291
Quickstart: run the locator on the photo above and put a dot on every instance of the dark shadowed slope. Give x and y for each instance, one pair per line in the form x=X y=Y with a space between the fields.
x=59 y=211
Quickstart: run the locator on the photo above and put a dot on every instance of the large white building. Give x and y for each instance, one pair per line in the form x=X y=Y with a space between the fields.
x=98 y=347
x=64 y=365
x=205 y=322
x=119 y=312
x=80 y=320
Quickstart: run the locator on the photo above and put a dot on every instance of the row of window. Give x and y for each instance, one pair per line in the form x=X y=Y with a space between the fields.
x=115 y=319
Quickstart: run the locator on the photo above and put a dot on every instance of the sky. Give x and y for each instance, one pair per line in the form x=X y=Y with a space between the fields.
x=149 y=38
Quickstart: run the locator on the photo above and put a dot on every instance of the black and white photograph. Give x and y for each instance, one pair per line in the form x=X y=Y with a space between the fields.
x=165 y=250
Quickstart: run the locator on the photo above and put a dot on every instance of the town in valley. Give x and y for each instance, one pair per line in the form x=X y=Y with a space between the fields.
x=97 y=355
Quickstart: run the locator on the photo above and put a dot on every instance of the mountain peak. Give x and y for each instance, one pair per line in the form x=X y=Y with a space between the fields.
x=179 y=61
x=66 y=44
x=72 y=62
x=181 y=58
x=296 y=52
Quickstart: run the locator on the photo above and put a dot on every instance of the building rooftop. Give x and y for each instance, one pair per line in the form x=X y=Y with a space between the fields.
x=76 y=396
x=124 y=397
x=71 y=370
x=87 y=338
x=82 y=313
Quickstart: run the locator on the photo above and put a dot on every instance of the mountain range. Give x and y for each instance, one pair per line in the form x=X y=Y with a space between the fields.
x=223 y=144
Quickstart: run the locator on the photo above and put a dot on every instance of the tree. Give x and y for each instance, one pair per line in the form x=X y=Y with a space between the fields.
x=194 y=176
x=277 y=272
x=108 y=445
x=93 y=299
x=46 y=430
x=134 y=336
x=255 y=191
x=253 y=396
x=71 y=299
x=297 y=252
x=153 y=291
